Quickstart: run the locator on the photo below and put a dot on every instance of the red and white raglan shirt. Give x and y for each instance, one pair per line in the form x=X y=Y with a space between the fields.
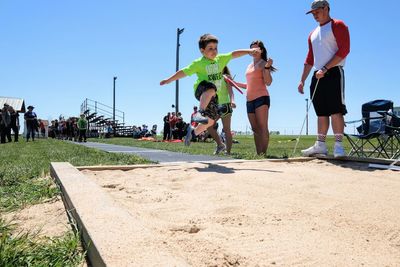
x=326 y=41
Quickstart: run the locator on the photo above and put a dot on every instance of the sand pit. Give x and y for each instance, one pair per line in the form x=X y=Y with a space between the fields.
x=265 y=213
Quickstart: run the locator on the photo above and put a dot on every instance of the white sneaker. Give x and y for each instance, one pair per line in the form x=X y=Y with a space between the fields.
x=338 y=150
x=220 y=149
x=317 y=148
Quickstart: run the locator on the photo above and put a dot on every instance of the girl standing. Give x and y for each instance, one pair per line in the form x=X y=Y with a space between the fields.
x=258 y=77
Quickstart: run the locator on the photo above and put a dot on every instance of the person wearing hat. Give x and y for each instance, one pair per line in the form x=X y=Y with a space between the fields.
x=5 y=124
x=31 y=123
x=328 y=47
x=14 y=125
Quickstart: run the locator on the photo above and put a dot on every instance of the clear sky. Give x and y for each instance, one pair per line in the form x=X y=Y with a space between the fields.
x=54 y=54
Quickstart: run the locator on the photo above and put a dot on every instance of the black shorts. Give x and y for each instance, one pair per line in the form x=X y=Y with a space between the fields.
x=212 y=108
x=256 y=103
x=225 y=110
x=329 y=97
x=202 y=87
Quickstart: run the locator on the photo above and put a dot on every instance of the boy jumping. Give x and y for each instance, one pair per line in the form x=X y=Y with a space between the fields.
x=209 y=79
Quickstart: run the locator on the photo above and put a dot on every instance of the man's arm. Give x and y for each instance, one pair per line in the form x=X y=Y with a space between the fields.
x=306 y=71
x=178 y=75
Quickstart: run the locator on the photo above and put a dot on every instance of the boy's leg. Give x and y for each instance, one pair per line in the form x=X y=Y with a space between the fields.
x=206 y=94
x=206 y=97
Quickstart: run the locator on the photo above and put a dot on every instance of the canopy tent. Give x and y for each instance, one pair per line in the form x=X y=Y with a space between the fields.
x=17 y=103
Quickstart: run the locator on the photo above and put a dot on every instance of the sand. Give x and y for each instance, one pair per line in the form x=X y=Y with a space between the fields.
x=47 y=219
x=265 y=213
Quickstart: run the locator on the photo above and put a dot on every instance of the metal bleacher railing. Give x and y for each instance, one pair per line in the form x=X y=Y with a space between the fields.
x=100 y=118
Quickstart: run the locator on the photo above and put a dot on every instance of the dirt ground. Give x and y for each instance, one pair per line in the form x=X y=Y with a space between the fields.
x=47 y=219
x=266 y=213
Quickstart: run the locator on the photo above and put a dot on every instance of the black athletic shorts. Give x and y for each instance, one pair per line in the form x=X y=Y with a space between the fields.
x=202 y=87
x=212 y=108
x=329 y=95
x=225 y=109
x=256 y=103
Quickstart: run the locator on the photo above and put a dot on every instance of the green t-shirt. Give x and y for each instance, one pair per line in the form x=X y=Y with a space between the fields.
x=211 y=71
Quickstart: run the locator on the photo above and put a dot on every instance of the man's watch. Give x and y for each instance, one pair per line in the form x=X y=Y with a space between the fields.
x=324 y=69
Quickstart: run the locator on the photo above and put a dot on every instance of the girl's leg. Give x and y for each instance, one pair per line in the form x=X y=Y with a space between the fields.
x=256 y=134
x=262 y=122
x=226 y=122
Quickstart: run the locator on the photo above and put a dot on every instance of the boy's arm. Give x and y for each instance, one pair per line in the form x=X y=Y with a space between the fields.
x=178 y=75
x=242 y=52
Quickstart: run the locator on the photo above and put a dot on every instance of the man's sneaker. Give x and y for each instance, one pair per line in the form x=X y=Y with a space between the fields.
x=188 y=136
x=200 y=118
x=220 y=149
x=317 y=149
x=338 y=150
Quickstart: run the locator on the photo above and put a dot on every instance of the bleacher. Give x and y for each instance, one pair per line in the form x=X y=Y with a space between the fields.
x=99 y=117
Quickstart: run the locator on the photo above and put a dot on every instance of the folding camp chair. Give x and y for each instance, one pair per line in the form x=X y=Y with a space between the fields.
x=373 y=136
x=393 y=132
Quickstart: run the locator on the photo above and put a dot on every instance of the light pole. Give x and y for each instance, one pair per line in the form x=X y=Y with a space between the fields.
x=306 y=116
x=115 y=77
x=178 y=33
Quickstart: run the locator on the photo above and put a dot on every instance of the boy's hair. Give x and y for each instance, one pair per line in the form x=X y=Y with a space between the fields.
x=205 y=39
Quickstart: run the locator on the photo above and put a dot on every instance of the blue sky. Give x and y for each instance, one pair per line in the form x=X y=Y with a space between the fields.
x=54 y=54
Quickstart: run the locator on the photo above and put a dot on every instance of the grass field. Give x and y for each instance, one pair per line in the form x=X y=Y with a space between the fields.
x=24 y=180
x=279 y=147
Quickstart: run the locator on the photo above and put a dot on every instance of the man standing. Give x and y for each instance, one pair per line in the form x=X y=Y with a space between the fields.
x=31 y=123
x=82 y=126
x=167 y=133
x=5 y=124
x=329 y=45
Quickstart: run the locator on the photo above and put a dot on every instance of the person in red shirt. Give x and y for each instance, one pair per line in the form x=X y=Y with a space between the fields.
x=329 y=45
x=192 y=122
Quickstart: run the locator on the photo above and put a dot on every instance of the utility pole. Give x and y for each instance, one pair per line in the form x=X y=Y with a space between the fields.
x=178 y=33
x=115 y=77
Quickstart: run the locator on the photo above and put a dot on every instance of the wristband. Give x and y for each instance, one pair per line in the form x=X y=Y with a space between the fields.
x=267 y=68
x=324 y=69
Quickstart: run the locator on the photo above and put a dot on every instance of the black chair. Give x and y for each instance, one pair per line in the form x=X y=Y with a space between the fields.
x=373 y=137
x=393 y=132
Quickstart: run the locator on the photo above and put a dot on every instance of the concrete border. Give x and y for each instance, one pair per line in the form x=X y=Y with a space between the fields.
x=108 y=231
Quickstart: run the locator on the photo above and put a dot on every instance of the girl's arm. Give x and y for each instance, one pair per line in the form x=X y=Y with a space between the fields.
x=241 y=85
x=231 y=95
x=178 y=75
x=266 y=67
x=242 y=52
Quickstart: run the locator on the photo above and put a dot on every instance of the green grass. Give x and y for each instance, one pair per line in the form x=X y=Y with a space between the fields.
x=24 y=180
x=279 y=146
x=22 y=166
x=26 y=249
